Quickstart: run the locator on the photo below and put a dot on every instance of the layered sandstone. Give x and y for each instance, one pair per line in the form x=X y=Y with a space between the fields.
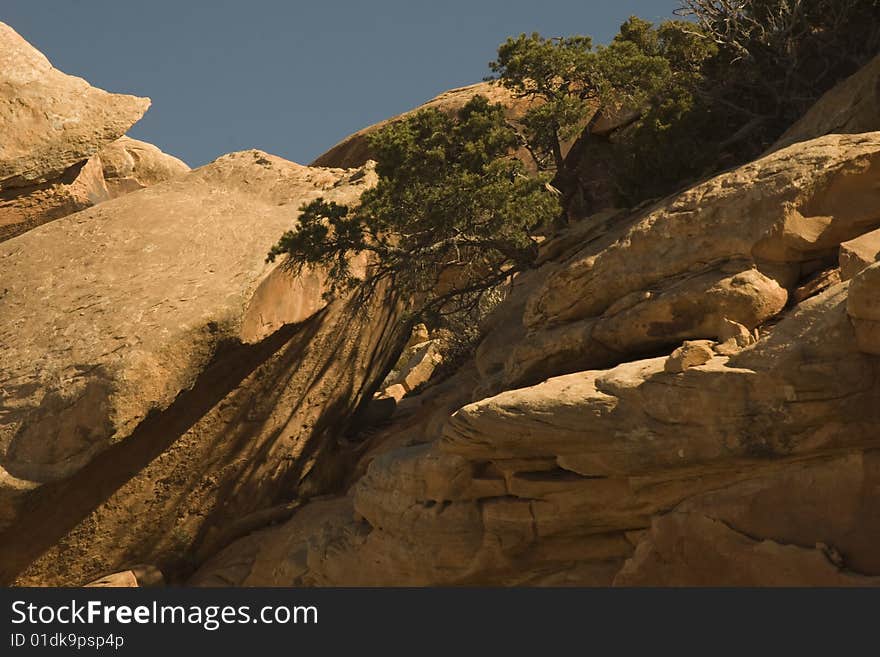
x=686 y=394
x=745 y=456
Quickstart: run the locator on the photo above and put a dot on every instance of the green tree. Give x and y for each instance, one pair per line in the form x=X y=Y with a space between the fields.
x=576 y=85
x=561 y=74
x=450 y=218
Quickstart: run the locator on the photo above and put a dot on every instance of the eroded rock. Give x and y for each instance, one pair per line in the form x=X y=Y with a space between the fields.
x=859 y=253
x=863 y=307
x=129 y=165
x=49 y=121
x=735 y=248
x=561 y=481
x=61 y=143
x=165 y=354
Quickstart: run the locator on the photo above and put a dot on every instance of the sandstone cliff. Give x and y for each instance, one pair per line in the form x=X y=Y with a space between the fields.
x=594 y=451
x=683 y=394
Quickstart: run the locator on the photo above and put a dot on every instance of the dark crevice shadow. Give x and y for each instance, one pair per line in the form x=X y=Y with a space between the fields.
x=57 y=507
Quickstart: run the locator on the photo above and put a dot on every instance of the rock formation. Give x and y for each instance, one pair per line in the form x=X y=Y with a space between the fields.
x=354 y=150
x=729 y=249
x=58 y=141
x=736 y=459
x=128 y=165
x=172 y=367
x=682 y=394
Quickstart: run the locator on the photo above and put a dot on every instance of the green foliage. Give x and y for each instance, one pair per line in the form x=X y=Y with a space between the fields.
x=453 y=211
x=451 y=200
x=559 y=72
x=674 y=137
x=645 y=71
x=687 y=97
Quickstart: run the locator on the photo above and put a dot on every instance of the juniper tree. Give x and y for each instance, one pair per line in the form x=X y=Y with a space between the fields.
x=450 y=217
x=575 y=85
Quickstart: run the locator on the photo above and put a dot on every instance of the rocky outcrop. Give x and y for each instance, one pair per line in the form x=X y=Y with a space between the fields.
x=745 y=455
x=60 y=146
x=161 y=380
x=49 y=120
x=863 y=307
x=128 y=165
x=354 y=150
x=756 y=469
x=24 y=208
x=851 y=107
x=811 y=523
x=686 y=394
x=137 y=577
x=730 y=249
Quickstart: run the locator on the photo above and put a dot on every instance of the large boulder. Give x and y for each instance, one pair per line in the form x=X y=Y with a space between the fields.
x=61 y=144
x=863 y=307
x=859 y=253
x=732 y=249
x=153 y=363
x=50 y=120
x=129 y=165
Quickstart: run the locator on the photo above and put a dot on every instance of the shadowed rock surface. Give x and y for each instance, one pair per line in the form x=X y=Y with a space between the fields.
x=162 y=333
x=850 y=107
x=743 y=458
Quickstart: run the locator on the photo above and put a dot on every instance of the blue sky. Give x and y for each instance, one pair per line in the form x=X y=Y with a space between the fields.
x=291 y=78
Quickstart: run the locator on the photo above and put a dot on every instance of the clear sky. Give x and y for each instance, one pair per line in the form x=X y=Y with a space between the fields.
x=290 y=77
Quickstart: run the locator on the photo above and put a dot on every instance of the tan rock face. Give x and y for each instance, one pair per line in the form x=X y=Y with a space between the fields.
x=746 y=461
x=119 y=299
x=859 y=253
x=850 y=107
x=24 y=208
x=789 y=208
x=129 y=165
x=49 y=121
x=824 y=537
x=737 y=248
x=684 y=395
x=863 y=307
x=139 y=576
x=759 y=458
x=151 y=326
x=61 y=149
x=690 y=354
x=417 y=364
